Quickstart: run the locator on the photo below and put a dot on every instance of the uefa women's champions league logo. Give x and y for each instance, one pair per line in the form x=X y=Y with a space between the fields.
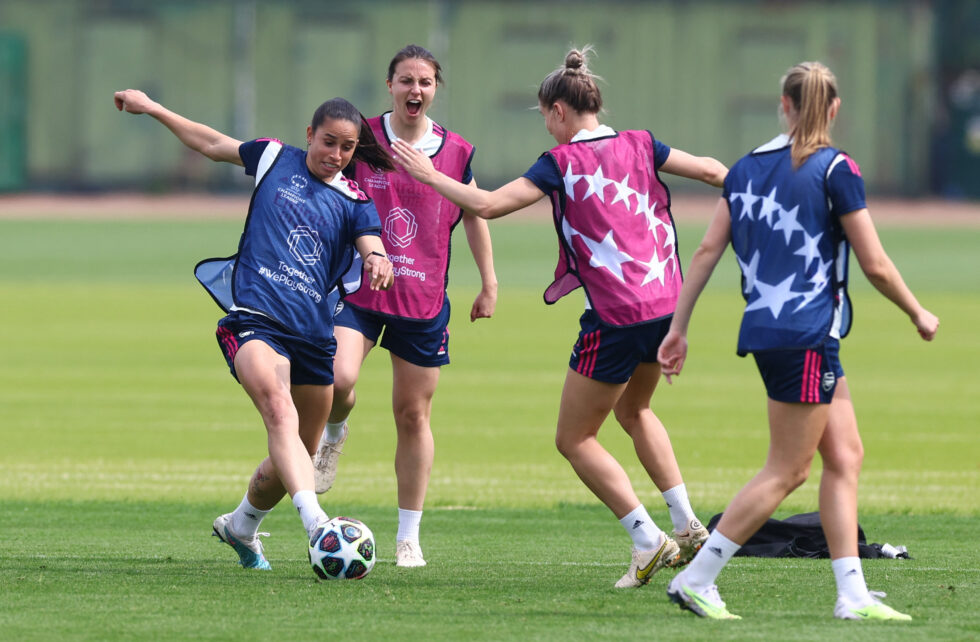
x=298 y=182
x=304 y=245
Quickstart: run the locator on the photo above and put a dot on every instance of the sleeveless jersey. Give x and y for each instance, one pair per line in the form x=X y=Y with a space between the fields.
x=790 y=246
x=616 y=234
x=297 y=242
x=417 y=227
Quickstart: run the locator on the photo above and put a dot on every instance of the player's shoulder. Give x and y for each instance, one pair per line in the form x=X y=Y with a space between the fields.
x=258 y=146
x=449 y=137
x=349 y=188
x=842 y=162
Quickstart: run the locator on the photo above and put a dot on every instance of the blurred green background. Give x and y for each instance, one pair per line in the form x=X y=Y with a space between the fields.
x=703 y=76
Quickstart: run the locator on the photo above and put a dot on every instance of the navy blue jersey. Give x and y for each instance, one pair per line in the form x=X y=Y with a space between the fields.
x=790 y=245
x=298 y=240
x=546 y=177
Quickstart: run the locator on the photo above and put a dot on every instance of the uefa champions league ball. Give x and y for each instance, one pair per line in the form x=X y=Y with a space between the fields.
x=342 y=549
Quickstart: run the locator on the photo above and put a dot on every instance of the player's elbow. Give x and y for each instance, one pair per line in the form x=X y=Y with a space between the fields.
x=485 y=212
x=714 y=172
x=707 y=252
x=213 y=152
x=878 y=270
x=487 y=209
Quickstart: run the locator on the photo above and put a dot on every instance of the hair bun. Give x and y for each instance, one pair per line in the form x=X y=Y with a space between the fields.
x=575 y=60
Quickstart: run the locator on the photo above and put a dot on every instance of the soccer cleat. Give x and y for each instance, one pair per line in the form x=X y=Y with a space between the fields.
x=249 y=549
x=646 y=563
x=706 y=603
x=325 y=461
x=408 y=554
x=876 y=610
x=689 y=542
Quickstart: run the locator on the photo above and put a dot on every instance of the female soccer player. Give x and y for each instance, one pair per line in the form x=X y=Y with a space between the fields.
x=414 y=314
x=616 y=240
x=791 y=209
x=303 y=220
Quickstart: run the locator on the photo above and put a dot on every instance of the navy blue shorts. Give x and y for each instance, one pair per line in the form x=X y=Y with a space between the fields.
x=309 y=363
x=423 y=342
x=801 y=375
x=611 y=353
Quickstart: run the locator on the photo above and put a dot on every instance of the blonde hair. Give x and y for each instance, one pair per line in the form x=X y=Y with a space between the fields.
x=812 y=88
x=573 y=83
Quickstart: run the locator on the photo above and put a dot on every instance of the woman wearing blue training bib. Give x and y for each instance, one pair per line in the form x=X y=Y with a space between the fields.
x=304 y=222
x=792 y=209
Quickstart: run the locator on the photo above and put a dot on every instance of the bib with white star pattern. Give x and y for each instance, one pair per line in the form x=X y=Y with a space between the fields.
x=616 y=234
x=790 y=245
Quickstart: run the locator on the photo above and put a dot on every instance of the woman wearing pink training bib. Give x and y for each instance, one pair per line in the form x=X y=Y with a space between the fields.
x=617 y=241
x=411 y=320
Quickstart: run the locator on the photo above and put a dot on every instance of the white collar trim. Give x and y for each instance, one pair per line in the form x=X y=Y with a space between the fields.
x=778 y=142
x=428 y=144
x=599 y=132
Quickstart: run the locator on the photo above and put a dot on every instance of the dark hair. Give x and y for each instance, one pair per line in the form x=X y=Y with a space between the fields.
x=368 y=149
x=573 y=83
x=415 y=51
x=812 y=89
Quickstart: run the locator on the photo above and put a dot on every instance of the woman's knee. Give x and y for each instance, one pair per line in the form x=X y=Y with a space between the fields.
x=344 y=380
x=789 y=477
x=844 y=460
x=564 y=445
x=569 y=444
x=412 y=418
x=629 y=418
x=277 y=409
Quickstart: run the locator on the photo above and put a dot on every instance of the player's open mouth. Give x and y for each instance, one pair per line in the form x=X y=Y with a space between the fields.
x=413 y=107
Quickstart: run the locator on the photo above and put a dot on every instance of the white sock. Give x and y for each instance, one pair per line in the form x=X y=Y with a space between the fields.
x=709 y=561
x=850 y=580
x=246 y=519
x=408 y=524
x=334 y=431
x=681 y=512
x=309 y=509
x=642 y=530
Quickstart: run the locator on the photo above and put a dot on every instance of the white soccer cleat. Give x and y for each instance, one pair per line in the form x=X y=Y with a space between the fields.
x=875 y=610
x=249 y=549
x=325 y=461
x=646 y=563
x=690 y=542
x=704 y=603
x=408 y=554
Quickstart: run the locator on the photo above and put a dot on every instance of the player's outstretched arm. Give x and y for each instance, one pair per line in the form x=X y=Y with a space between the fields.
x=878 y=267
x=199 y=137
x=511 y=197
x=673 y=350
x=700 y=168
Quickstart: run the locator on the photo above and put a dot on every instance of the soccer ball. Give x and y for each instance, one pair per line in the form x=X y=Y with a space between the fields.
x=342 y=549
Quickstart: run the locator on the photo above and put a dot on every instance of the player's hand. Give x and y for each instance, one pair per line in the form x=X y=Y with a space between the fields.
x=484 y=304
x=926 y=323
x=672 y=353
x=381 y=271
x=133 y=100
x=413 y=161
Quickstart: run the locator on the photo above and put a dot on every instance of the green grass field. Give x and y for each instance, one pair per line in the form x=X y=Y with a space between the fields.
x=123 y=436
